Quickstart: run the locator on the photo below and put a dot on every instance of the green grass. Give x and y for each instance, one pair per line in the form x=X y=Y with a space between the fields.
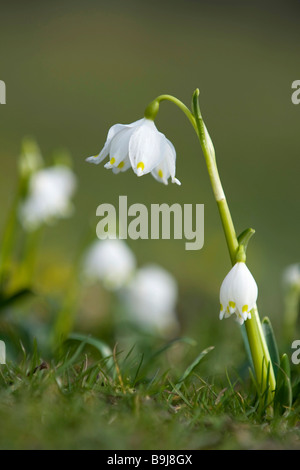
x=127 y=401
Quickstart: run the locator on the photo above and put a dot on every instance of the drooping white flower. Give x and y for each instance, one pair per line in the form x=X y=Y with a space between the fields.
x=49 y=196
x=110 y=261
x=151 y=299
x=140 y=146
x=238 y=293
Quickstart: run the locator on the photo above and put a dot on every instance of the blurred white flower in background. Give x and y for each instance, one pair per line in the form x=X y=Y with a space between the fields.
x=2 y=353
x=49 y=196
x=110 y=261
x=291 y=288
x=151 y=299
x=291 y=276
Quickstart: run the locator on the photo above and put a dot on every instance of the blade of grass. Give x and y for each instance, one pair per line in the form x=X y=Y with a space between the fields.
x=192 y=366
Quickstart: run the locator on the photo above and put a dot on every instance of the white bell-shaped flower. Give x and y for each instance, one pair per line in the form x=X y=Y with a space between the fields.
x=238 y=293
x=110 y=261
x=140 y=146
x=49 y=196
x=151 y=299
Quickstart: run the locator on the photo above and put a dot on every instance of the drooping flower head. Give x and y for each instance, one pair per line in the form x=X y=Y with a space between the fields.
x=140 y=146
x=238 y=293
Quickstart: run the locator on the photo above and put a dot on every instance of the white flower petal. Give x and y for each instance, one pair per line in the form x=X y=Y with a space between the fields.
x=124 y=165
x=146 y=148
x=167 y=166
x=245 y=289
x=119 y=146
x=225 y=297
x=113 y=132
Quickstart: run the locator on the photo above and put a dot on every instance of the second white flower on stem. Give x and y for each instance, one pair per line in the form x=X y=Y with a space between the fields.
x=238 y=293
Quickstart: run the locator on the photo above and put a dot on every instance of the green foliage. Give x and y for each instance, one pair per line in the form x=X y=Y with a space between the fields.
x=271 y=343
x=245 y=237
x=191 y=368
x=8 y=300
x=283 y=395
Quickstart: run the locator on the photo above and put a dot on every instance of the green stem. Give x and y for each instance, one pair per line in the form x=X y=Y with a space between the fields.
x=228 y=227
x=259 y=350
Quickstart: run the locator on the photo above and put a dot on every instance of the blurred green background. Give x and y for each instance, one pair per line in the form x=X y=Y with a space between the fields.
x=73 y=69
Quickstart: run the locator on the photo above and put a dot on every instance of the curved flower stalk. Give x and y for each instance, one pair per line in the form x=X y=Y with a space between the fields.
x=238 y=293
x=110 y=261
x=49 y=196
x=151 y=299
x=139 y=146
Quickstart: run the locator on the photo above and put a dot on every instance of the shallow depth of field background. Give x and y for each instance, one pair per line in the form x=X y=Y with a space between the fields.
x=73 y=69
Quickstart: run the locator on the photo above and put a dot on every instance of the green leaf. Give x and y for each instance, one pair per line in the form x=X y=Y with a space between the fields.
x=271 y=343
x=245 y=236
x=283 y=395
x=102 y=347
x=247 y=346
x=68 y=363
x=192 y=366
